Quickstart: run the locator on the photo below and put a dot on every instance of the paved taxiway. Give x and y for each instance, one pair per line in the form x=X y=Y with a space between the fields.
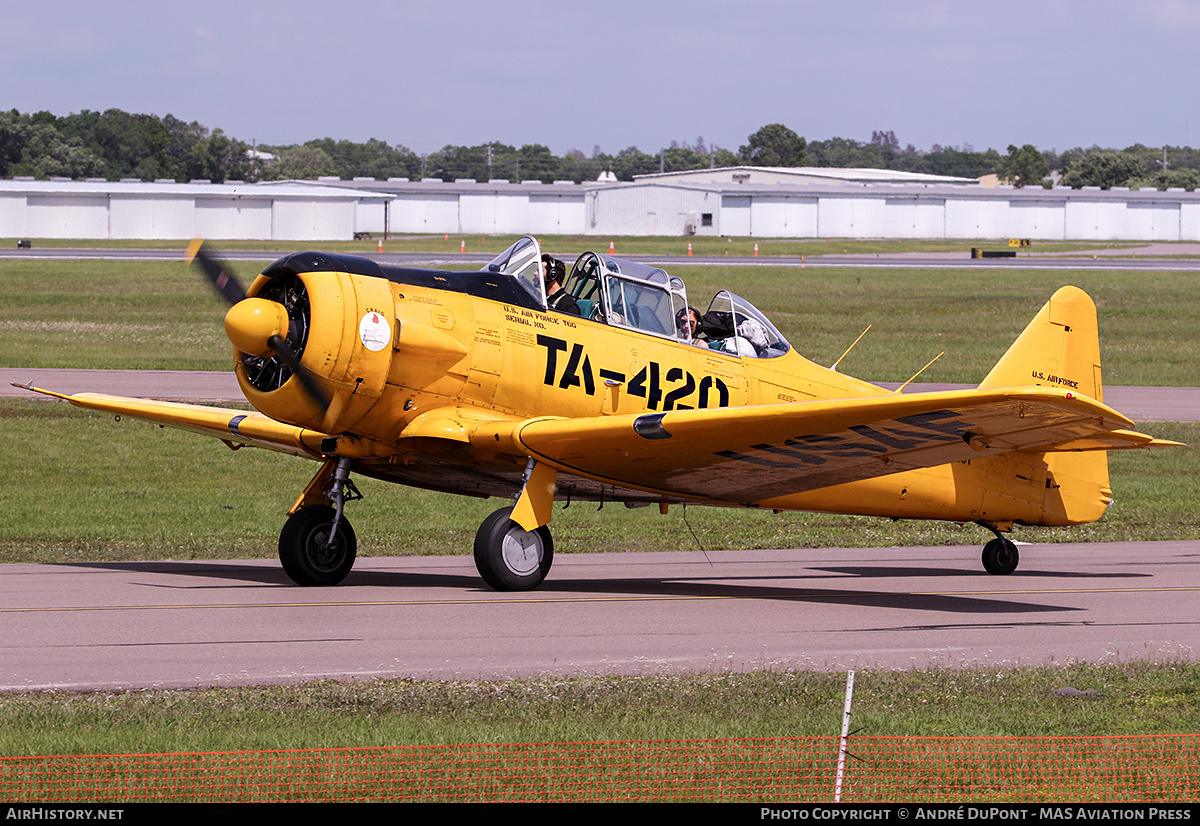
x=180 y=624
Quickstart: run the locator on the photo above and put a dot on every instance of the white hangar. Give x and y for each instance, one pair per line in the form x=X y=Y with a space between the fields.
x=738 y=201
x=786 y=203
x=170 y=211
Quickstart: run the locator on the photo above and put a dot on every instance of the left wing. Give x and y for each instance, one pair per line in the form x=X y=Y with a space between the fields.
x=746 y=454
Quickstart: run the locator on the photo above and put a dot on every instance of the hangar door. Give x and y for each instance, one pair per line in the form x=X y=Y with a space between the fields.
x=913 y=218
x=735 y=215
x=66 y=216
x=784 y=217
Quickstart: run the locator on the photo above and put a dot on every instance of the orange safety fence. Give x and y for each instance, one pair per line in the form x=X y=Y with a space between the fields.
x=1152 y=768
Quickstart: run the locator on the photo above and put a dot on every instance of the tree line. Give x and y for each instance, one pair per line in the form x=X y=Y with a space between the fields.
x=115 y=145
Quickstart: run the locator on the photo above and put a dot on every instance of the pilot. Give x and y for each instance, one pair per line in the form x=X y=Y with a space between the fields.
x=687 y=321
x=553 y=273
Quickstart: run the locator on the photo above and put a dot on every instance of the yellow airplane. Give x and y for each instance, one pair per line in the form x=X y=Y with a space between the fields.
x=468 y=382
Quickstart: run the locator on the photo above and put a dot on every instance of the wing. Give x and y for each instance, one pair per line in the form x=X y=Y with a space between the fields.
x=746 y=454
x=234 y=427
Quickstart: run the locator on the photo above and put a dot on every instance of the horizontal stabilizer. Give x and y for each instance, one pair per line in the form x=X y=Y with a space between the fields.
x=1115 y=440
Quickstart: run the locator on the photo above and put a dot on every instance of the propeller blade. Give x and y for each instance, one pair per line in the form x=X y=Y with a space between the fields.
x=222 y=279
x=285 y=352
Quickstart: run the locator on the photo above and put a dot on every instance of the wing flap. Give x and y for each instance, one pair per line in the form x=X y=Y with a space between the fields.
x=746 y=454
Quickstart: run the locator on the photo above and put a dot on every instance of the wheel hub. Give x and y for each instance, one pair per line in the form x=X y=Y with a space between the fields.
x=522 y=551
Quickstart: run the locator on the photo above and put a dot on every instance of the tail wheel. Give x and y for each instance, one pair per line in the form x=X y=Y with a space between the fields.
x=510 y=558
x=307 y=555
x=1000 y=556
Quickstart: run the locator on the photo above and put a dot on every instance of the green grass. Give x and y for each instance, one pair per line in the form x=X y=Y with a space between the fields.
x=161 y=315
x=111 y=314
x=84 y=487
x=1149 y=322
x=1133 y=698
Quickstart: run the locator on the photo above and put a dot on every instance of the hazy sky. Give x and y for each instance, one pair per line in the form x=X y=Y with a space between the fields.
x=620 y=73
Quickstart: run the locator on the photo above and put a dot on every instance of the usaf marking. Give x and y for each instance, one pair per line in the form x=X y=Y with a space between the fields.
x=1052 y=379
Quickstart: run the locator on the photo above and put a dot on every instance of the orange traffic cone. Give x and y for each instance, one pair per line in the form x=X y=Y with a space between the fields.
x=689 y=249
x=611 y=249
x=463 y=248
x=756 y=250
x=381 y=245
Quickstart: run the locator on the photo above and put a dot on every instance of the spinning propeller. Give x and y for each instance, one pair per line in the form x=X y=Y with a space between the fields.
x=270 y=333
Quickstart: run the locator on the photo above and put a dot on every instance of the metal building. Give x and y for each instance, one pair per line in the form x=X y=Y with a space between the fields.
x=170 y=211
x=742 y=202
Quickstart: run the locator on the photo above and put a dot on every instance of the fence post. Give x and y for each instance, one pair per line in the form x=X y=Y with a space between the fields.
x=841 y=764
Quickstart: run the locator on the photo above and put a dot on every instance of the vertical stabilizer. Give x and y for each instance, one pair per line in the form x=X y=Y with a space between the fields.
x=1059 y=348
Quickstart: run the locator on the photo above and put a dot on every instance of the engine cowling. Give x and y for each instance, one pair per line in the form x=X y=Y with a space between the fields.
x=341 y=324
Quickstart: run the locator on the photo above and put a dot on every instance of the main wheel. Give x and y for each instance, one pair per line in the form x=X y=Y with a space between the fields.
x=1000 y=556
x=304 y=547
x=510 y=558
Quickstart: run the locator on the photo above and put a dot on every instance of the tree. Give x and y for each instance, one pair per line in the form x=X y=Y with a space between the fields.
x=14 y=135
x=47 y=155
x=1188 y=179
x=632 y=161
x=1104 y=168
x=373 y=159
x=951 y=161
x=774 y=145
x=1025 y=166
x=537 y=163
x=843 y=153
x=299 y=163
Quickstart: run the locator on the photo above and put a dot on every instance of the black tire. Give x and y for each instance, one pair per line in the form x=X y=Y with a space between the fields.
x=510 y=558
x=304 y=551
x=1000 y=556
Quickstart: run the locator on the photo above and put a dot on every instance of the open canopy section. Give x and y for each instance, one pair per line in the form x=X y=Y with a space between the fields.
x=734 y=325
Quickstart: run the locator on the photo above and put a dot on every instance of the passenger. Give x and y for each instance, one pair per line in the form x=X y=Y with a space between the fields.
x=687 y=321
x=553 y=273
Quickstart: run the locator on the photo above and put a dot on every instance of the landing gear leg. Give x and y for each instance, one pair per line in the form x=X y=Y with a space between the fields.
x=317 y=545
x=1000 y=556
x=510 y=558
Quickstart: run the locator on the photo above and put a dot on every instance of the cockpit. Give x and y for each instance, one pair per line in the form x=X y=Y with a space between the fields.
x=644 y=298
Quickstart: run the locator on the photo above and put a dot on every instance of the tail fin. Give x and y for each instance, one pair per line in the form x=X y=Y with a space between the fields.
x=1059 y=348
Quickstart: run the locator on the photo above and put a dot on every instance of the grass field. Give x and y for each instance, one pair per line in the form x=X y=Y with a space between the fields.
x=1119 y=698
x=79 y=486
x=161 y=315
